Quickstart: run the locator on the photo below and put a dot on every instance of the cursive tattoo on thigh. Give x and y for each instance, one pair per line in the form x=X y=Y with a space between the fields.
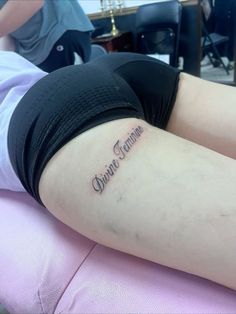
x=120 y=151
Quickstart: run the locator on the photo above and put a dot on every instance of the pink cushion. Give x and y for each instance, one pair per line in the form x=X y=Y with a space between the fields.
x=45 y=267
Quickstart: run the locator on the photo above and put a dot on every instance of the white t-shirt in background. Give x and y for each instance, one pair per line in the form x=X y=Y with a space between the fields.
x=17 y=75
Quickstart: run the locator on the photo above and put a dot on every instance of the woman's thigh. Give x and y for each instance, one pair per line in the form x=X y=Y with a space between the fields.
x=147 y=192
x=205 y=113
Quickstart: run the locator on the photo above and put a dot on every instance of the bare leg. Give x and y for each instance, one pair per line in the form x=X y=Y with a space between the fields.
x=205 y=113
x=168 y=200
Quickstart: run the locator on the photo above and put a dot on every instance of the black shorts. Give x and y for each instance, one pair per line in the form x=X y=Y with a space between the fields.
x=73 y=99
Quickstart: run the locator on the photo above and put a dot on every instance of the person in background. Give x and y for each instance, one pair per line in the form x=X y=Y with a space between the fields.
x=208 y=25
x=225 y=14
x=47 y=32
x=208 y=14
x=219 y=17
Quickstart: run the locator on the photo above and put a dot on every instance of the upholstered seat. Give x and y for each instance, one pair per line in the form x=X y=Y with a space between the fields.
x=158 y=29
x=48 y=268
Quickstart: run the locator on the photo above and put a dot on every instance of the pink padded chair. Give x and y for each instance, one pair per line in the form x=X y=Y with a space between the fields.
x=45 y=267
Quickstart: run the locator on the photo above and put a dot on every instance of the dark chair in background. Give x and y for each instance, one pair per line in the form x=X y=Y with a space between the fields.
x=158 y=29
x=212 y=42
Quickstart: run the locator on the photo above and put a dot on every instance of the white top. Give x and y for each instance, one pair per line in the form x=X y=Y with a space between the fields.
x=17 y=75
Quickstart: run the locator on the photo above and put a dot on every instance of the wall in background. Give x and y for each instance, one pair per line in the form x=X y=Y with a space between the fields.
x=92 y=6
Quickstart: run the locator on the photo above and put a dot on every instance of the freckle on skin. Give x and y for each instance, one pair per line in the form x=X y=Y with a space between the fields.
x=110 y=227
x=224 y=215
x=137 y=236
x=120 y=199
x=115 y=229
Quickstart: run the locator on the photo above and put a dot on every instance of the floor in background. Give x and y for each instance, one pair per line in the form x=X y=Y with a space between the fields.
x=218 y=74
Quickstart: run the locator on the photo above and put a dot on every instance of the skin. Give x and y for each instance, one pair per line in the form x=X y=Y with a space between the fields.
x=205 y=113
x=169 y=200
x=25 y=10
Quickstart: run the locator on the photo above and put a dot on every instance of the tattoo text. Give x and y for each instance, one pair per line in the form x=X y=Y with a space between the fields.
x=120 y=150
